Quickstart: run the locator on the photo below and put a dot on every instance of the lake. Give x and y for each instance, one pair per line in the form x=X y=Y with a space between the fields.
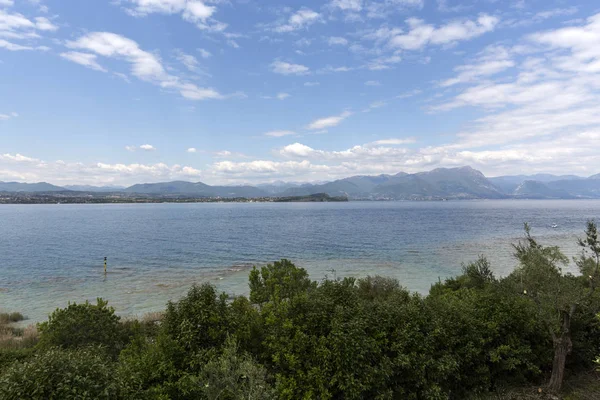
x=53 y=254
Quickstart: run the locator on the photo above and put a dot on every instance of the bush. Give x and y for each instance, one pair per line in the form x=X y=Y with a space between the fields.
x=81 y=325
x=200 y=321
x=7 y=318
x=232 y=376
x=61 y=374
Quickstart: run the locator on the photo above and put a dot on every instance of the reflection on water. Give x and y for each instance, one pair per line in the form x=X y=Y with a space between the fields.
x=54 y=254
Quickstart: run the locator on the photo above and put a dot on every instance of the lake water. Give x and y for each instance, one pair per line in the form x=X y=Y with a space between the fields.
x=52 y=254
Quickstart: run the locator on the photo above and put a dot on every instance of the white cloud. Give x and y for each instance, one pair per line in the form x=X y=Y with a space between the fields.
x=348 y=5
x=299 y=20
x=194 y=11
x=493 y=60
x=337 y=41
x=374 y=105
x=393 y=142
x=311 y=84
x=144 y=65
x=279 y=133
x=283 y=96
x=13 y=46
x=44 y=24
x=375 y=151
x=18 y=158
x=384 y=8
x=15 y=26
x=229 y=154
x=330 y=69
x=6 y=3
x=85 y=59
x=192 y=150
x=421 y=34
x=145 y=147
x=285 y=68
x=328 y=122
x=4 y=117
x=263 y=168
x=383 y=62
x=204 y=53
x=233 y=43
x=556 y=12
x=188 y=60
x=372 y=83
x=408 y=94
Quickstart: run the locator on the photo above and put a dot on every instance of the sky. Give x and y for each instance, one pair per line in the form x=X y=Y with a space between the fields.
x=117 y=92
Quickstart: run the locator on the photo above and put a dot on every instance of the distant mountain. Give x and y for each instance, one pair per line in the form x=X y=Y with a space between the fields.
x=508 y=184
x=89 y=188
x=440 y=183
x=196 y=189
x=583 y=188
x=540 y=190
x=29 y=187
x=464 y=182
x=278 y=186
x=359 y=186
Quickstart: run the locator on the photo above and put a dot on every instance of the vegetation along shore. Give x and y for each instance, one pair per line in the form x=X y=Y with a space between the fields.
x=532 y=334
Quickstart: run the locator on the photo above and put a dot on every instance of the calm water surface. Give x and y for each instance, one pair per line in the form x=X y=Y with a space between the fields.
x=52 y=254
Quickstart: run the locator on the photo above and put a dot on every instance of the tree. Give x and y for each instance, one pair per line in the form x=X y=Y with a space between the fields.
x=234 y=376
x=199 y=322
x=557 y=295
x=81 y=325
x=280 y=280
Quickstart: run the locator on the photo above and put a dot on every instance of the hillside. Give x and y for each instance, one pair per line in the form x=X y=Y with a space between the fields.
x=440 y=183
x=196 y=189
x=29 y=187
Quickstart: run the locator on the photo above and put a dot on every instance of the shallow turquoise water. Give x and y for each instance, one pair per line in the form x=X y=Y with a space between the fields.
x=52 y=254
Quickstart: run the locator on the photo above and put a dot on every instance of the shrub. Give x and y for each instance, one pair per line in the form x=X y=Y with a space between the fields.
x=7 y=318
x=61 y=374
x=232 y=376
x=83 y=325
x=199 y=321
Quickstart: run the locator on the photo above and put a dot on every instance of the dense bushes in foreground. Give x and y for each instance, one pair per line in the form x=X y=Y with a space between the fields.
x=294 y=338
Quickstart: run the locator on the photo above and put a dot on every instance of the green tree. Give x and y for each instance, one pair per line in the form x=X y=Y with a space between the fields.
x=557 y=295
x=278 y=281
x=80 y=325
x=199 y=322
x=234 y=376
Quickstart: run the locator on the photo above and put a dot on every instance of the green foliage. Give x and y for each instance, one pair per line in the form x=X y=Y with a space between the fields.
x=81 y=325
x=7 y=318
x=85 y=373
x=233 y=376
x=200 y=321
x=10 y=356
x=278 y=281
x=337 y=339
x=155 y=369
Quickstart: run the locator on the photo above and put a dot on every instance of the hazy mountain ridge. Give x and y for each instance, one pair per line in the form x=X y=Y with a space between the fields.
x=440 y=183
x=29 y=187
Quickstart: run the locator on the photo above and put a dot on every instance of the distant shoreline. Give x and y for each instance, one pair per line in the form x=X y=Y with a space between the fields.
x=95 y=198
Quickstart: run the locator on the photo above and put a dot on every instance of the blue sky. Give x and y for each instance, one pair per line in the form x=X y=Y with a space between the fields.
x=240 y=91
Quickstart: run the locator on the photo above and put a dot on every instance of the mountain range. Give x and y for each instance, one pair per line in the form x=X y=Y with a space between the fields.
x=440 y=183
